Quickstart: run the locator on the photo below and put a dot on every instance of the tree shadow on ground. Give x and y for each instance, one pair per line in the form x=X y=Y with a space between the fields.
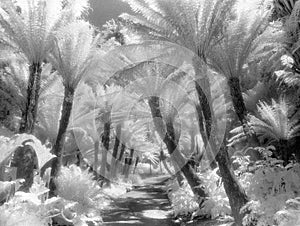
x=145 y=205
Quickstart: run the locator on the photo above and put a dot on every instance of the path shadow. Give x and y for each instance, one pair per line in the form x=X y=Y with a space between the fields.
x=145 y=205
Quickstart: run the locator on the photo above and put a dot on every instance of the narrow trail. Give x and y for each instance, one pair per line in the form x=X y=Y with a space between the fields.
x=145 y=205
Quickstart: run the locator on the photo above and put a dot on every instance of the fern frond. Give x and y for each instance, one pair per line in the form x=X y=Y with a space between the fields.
x=73 y=53
x=196 y=25
x=230 y=56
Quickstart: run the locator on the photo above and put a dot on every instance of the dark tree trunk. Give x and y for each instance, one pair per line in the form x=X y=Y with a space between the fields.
x=205 y=139
x=34 y=82
x=236 y=194
x=96 y=153
x=241 y=111
x=59 y=143
x=137 y=160
x=163 y=160
x=238 y=100
x=36 y=99
x=105 y=141
x=204 y=119
x=167 y=134
x=25 y=161
x=115 y=151
x=204 y=103
x=122 y=151
x=128 y=163
x=284 y=149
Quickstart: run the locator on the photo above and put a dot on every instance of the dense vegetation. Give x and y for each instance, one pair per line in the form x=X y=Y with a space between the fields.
x=208 y=89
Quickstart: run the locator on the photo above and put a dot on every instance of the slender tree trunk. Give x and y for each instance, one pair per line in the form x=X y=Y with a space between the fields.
x=167 y=134
x=128 y=163
x=205 y=106
x=204 y=135
x=96 y=153
x=63 y=125
x=236 y=194
x=178 y=174
x=238 y=100
x=137 y=160
x=122 y=151
x=284 y=149
x=105 y=142
x=29 y=115
x=115 y=151
x=163 y=160
x=36 y=98
x=241 y=111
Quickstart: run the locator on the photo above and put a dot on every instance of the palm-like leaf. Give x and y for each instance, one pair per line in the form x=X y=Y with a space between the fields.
x=196 y=25
x=32 y=27
x=74 y=53
x=273 y=122
x=13 y=84
x=243 y=38
x=49 y=112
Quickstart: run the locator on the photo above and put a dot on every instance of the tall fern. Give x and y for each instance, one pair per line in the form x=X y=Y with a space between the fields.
x=192 y=24
x=29 y=26
x=73 y=57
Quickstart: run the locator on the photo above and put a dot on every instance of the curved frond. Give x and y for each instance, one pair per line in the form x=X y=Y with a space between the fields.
x=196 y=25
x=30 y=25
x=74 y=52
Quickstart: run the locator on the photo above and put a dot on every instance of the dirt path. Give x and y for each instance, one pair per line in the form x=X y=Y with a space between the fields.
x=145 y=205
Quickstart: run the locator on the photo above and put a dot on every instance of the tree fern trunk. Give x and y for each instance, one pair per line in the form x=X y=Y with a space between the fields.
x=137 y=160
x=36 y=98
x=167 y=134
x=105 y=142
x=204 y=136
x=205 y=106
x=284 y=149
x=236 y=194
x=25 y=161
x=163 y=160
x=122 y=151
x=63 y=125
x=204 y=116
x=241 y=111
x=238 y=100
x=96 y=153
x=29 y=116
x=115 y=151
x=129 y=163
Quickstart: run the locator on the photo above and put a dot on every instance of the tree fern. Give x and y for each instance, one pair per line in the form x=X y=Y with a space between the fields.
x=195 y=25
x=73 y=56
x=244 y=36
x=274 y=121
x=274 y=124
x=29 y=26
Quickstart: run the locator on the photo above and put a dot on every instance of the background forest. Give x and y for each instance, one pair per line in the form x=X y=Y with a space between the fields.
x=208 y=90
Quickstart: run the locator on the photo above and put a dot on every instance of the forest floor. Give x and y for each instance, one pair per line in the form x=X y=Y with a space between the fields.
x=146 y=205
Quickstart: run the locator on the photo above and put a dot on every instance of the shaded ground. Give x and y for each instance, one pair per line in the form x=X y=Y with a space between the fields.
x=146 y=205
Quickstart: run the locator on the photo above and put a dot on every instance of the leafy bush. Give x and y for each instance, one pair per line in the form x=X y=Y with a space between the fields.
x=182 y=198
x=217 y=203
x=30 y=208
x=290 y=214
x=185 y=203
x=83 y=197
x=269 y=185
